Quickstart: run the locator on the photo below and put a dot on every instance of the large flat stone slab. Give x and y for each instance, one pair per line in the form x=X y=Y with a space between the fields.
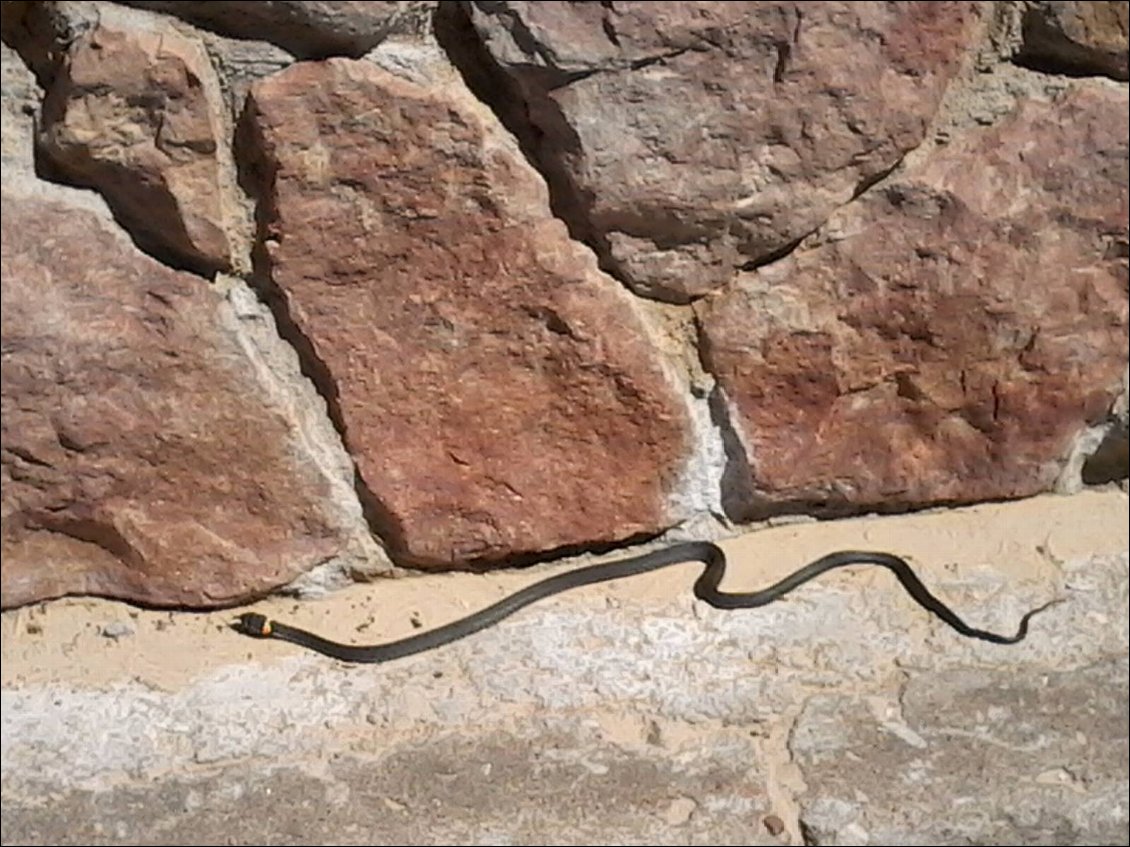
x=946 y=337
x=500 y=395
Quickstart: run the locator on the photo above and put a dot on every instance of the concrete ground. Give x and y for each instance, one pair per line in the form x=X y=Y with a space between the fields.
x=626 y=713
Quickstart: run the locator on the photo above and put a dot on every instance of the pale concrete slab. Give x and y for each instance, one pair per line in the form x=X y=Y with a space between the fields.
x=626 y=713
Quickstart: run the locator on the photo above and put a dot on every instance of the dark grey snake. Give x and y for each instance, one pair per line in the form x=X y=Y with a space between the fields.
x=705 y=588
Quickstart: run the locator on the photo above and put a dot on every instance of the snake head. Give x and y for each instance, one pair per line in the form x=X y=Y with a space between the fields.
x=251 y=623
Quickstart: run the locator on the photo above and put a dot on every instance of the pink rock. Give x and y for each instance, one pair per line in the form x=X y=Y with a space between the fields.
x=499 y=394
x=945 y=337
x=140 y=457
x=135 y=114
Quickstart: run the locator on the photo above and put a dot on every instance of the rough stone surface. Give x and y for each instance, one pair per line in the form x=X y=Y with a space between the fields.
x=441 y=791
x=33 y=30
x=141 y=457
x=307 y=29
x=239 y=63
x=685 y=140
x=945 y=337
x=875 y=773
x=1077 y=37
x=624 y=713
x=136 y=114
x=19 y=101
x=1110 y=461
x=489 y=381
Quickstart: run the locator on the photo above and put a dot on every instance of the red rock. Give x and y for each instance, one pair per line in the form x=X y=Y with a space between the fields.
x=499 y=394
x=135 y=114
x=946 y=336
x=140 y=459
x=686 y=140
x=1077 y=37
x=307 y=28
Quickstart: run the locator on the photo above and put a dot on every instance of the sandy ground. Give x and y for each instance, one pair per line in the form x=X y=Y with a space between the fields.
x=66 y=640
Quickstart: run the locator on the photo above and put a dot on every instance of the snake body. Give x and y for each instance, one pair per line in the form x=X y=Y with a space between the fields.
x=706 y=588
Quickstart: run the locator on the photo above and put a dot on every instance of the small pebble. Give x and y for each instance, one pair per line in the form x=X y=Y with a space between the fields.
x=680 y=811
x=116 y=630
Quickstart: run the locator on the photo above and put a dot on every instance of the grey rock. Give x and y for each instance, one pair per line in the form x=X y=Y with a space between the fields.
x=307 y=29
x=502 y=788
x=974 y=756
x=117 y=629
x=19 y=101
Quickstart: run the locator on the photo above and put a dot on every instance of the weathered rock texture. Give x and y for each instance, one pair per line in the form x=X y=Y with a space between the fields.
x=19 y=100
x=140 y=458
x=499 y=393
x=1077 y=37
x=621 y=714
x=1066 y=750
x=307 y=29
x=688 y=139
x=887 y=288
x=136 y=115
x=946 y=336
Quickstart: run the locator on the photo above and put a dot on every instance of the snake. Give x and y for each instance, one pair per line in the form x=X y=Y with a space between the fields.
x=706 y=588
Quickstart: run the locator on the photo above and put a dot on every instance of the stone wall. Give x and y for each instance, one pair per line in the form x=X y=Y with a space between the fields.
x=308 y=290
